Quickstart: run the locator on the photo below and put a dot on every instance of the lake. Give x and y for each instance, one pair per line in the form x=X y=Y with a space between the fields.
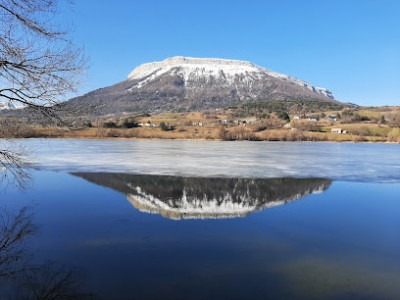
x=142 y=219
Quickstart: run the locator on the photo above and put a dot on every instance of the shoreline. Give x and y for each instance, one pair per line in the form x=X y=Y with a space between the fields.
x=200 y=139
x=273 y=131
x=358 y=126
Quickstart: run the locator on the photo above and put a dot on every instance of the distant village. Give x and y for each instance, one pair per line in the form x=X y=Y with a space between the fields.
x=380 y=124
x=209 y=121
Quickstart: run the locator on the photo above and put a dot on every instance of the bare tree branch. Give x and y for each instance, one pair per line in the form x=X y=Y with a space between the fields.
x=39 y=64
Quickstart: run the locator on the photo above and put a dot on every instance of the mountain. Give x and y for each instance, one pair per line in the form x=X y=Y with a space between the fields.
x=206 y=198
x=9 y=106
x=187 y=84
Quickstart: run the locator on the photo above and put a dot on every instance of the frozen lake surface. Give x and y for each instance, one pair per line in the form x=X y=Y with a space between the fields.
x=338 y=161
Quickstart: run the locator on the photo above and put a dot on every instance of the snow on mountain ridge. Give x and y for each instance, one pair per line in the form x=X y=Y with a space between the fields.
x=225 y=70
x=193 y=63
x=10 y=106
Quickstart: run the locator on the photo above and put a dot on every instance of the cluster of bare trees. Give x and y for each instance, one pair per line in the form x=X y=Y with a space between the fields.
x=39 y=64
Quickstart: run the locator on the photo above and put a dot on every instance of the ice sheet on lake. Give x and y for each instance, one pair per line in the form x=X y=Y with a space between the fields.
x=339 y=161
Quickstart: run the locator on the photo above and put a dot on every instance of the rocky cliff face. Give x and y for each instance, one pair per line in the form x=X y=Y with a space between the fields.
x=205 y=198
x=185 y=84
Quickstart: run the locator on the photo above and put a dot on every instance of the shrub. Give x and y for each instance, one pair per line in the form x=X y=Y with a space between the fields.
x=394 y=119
x=144 y=115
x=306 y=125
x=284 y=116
x=266 y=124
x=359 y=130
x=110 y=124
x=224 y=134
x=256 y=127
x=166 y=127
x=394 y=135
x=113 y=133
x=350 y=117
x=129 y=124
x=294 y=135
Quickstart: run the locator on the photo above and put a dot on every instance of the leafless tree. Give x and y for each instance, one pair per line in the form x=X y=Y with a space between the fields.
x=39 y=64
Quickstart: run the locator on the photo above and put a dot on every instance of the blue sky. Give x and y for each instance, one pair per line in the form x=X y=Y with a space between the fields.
x=350 y=47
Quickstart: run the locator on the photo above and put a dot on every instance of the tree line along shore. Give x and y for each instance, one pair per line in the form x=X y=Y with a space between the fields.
x=245 y=122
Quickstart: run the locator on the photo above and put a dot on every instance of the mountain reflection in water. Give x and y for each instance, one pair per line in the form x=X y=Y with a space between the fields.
x=206 y=198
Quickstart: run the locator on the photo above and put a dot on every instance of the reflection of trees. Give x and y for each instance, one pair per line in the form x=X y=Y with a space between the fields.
x=25 y=280
x=13 y=231
x=50 y=281
x=197 y=197
x=13 y=166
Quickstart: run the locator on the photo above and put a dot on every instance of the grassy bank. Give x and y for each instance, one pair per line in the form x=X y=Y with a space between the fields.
x=220 y=133
x=347 y=125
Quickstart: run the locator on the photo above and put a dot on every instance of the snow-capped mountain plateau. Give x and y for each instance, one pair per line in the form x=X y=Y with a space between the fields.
x=187 y=84
x=209 y=70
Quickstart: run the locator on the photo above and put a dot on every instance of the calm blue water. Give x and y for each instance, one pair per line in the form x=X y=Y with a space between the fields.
x=98 y=226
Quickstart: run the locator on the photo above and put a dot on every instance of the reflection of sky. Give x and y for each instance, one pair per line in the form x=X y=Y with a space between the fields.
x=340 y=161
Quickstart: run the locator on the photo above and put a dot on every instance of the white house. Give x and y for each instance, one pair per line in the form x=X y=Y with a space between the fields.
x=332 y=118
x=338 y=130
